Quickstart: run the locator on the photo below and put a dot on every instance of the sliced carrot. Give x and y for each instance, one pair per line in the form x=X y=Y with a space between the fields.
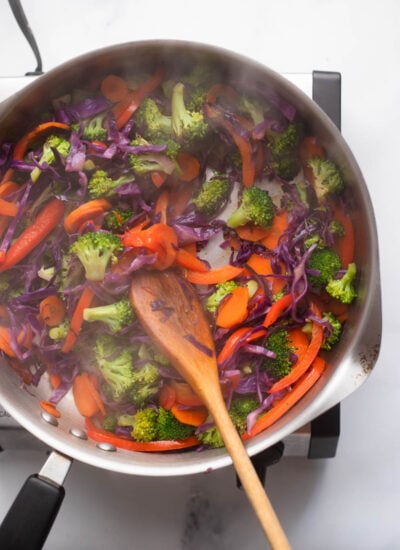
x=5 y=341
x=86 y=396
x=190 y=261
x=252 y=233
x=52 y=310
x=158 y=178
x=233 y=309
x=194 y=416
x=161 y=206
x=87 y=211
x=47 y=219
x=97 y=434
x=189 y=166
x=167 y=396
x=50 y=408
x=215 y=275
x=8 y=187
x=8 y=208
x=185 y=395
x=262 y=266
x=179 y=198
x=290 y=399
x=4 y=313
x=310 y=147
x=279 y=225
x=84 y=301
x=191 y=248
x=114 y=88
x=55 y=380
x=304 y=361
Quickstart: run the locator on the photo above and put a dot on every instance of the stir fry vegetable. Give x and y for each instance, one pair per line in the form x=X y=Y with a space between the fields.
x=181 y=172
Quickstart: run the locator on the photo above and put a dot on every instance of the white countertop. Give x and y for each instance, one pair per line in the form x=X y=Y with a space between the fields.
x=349 y=502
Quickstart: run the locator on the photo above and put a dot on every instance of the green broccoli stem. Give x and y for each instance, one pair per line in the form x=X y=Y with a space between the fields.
x=178 y=109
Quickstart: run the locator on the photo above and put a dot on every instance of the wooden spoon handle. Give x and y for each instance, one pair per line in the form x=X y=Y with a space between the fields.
x=248 y=476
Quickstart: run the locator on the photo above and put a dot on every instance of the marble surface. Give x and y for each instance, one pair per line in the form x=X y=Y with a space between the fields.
x=346 y=503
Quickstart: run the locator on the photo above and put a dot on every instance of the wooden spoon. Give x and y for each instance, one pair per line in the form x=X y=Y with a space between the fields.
x=171 y=313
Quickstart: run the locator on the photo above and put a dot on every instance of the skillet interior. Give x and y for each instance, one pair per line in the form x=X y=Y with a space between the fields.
x=352 y=359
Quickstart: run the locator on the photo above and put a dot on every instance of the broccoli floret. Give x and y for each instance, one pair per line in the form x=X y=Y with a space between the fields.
x=59 y=143
x=213 y=195
x=221 y=290
x=169 y=428
x=336 y=228
x=9 y=288
x=256 y=208
x=60 y=331
x=253 y=108
x=115 y=364
x=284 y=151
x=197 y=83
x=117 y=218
x=281 y=365
x=92 y=129
x=211 y=437
x=153 y=125
x=327 y=179
x=326 y=262
x=332 y=334
x=46 y=273
x=110 y=422
x=152 y=354
x=96 y=250
x=144 y=163
x=343 y=289
x=116 y=316
x=143 y=423
x=240 y=408
x=101 y=185
x=145 y=384
x=189 y=127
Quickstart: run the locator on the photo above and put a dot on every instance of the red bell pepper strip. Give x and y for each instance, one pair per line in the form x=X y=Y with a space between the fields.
x=235 y=339
x=23 y=144
x=103 y=436
x=276 y=309
x=345 y=245
x=159 y=239
x=279 y=408
x=124 y=109
x=303 y=363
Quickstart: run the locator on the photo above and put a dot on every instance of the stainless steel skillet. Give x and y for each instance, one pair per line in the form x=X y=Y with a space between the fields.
x=349 y=364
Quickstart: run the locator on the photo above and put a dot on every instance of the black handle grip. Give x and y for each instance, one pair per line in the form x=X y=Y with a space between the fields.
x=31 y=516
x=22 y=21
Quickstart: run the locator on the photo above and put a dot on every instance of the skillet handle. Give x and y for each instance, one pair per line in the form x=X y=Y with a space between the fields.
x=32 y=514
